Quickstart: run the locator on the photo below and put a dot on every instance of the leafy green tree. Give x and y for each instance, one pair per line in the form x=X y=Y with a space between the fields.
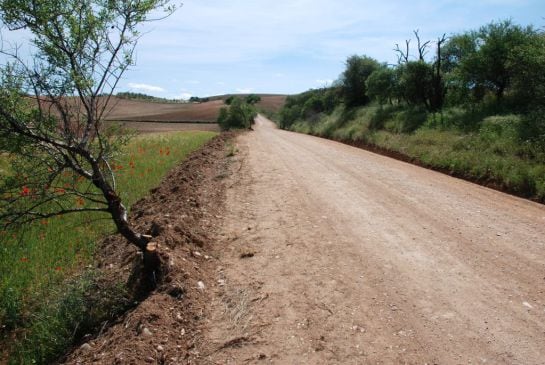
x=52 y=108
x=528 y=79
x=381 y=84
x=230 y=100
x=253 y=99
x=239 y=114
x=416 y=83
x=493 y=63
x=358 y=69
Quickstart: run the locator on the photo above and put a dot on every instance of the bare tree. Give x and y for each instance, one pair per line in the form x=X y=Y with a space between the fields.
x=422 y=47
x=403 y=55
x=439 y=91
x=52 y=105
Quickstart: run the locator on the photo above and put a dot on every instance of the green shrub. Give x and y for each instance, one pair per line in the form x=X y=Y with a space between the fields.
x=239 y=115
x=407 y=121
x=532 y=127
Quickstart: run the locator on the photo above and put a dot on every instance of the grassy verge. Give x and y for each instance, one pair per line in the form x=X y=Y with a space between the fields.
x=491 y=151
x=46 y=279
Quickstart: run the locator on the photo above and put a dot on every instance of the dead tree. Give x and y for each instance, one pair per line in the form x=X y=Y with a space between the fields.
x=439 y=91
x=422 y=47
x=403 y=56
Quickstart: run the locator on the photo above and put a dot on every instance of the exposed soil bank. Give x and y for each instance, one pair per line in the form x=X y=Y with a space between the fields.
x=181 y=214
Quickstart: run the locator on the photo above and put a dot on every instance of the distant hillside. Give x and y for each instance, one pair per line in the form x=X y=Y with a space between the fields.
x=139 y=96
x=143 y=110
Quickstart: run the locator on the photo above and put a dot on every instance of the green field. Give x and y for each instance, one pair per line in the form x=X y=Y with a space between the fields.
x=46 y=268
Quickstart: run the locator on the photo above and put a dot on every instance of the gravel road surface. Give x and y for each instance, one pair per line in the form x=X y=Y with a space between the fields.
x=334 y=255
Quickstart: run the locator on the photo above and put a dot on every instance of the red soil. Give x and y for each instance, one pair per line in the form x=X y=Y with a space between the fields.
x=137 y=110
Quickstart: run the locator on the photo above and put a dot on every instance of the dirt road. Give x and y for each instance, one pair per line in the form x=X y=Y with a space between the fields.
x=334 y=255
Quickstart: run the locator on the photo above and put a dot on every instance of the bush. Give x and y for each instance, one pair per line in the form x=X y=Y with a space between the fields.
x=532 y=127
x=407 y=120
x=239 y=115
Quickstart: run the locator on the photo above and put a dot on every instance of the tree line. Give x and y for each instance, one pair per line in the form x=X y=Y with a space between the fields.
x=501 y=64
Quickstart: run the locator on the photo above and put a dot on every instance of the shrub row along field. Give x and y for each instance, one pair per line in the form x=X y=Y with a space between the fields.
x=476 y=110
x=46 y=273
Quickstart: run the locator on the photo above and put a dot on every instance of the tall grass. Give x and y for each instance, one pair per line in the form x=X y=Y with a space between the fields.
x=43 y=281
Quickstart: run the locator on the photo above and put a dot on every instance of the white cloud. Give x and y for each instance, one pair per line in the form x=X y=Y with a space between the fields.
x=184 y=96
x=146 y=87
x=244 y=90
x=325 y=82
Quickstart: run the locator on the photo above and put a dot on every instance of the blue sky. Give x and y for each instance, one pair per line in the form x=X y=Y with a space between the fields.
x=210 y=47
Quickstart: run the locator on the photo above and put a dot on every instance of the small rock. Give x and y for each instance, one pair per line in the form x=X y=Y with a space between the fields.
x=200 y=285
x=146 y=332
x=221 y=282
x=197 y=254
x=179 y=317
x=527 y=305
x=86 y=347
x=246 y=255
x=160 y=348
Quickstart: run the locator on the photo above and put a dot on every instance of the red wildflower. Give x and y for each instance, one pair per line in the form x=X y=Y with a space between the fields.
x=24 y=259
x=25 y=191
x=58 y=268
x=80 y=202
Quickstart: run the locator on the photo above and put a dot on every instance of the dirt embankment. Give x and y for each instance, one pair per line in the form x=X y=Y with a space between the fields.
x=181 y=214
